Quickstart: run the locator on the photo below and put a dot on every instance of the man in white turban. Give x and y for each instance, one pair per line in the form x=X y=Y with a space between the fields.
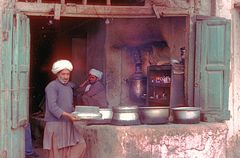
x=61 y=139
x=94 y=91
x=61 y=65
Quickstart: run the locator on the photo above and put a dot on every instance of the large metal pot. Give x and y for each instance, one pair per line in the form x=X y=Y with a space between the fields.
x=137 y=87
x=125 y=115
x=154 y=115
x=186 y=115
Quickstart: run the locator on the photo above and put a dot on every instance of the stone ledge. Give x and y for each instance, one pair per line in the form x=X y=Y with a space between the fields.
x=156 y=141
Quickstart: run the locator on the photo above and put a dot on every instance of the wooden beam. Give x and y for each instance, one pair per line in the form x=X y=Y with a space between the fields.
x=108 y=2
x=237 y=5
x=156 y=11
x=84 y=2
x=100 y=11
x=62 y=1
x=57 y=11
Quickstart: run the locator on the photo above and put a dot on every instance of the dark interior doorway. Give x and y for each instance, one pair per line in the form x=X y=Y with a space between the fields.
x=52 y=40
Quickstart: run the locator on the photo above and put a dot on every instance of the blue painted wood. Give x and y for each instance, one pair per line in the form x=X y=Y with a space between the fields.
x=5 y=83
x=14 y=83
x=20 y=82
x=20 y=73
x=212 y=68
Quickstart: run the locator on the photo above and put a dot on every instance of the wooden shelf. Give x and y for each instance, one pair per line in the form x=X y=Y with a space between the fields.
x=159 y=68
x=160 y=84
x=156 y=90
x=158 y=100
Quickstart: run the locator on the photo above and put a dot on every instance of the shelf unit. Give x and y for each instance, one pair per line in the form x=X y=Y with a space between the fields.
x=158 y=85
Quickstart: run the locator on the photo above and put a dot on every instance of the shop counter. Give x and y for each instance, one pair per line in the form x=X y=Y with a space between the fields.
x=155 y=141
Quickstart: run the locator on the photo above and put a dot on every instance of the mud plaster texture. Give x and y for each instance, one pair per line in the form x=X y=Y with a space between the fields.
x=155 y=141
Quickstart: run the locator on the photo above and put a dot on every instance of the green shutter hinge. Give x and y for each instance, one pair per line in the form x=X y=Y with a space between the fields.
x=14 y=68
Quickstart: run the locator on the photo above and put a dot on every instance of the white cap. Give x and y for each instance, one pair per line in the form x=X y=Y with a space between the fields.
x=61 y=65
x=96 y=73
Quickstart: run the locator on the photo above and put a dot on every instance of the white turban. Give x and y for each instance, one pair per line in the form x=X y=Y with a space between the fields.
x=61 y=65
x=96 y=73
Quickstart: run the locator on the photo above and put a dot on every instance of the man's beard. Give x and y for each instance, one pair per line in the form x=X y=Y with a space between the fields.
x=62 y=80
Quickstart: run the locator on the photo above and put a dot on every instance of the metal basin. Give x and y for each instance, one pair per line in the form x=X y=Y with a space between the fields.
x=107 y=113
x=186 y=115
x=125 y=115
x=154 y=115
x=106 y=117
x=87 y=109
x=125 y=109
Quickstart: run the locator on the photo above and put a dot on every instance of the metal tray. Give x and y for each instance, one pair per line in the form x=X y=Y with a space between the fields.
x=87 y=116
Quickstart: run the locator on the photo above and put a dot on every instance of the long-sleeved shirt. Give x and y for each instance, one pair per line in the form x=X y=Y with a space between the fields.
x=59 y=98
x=96 y=95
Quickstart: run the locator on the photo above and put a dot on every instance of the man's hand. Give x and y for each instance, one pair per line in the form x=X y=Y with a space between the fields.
x=83 y=84
x=69 y=116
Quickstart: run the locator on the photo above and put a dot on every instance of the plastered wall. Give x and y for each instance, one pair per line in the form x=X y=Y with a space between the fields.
x=124 y=33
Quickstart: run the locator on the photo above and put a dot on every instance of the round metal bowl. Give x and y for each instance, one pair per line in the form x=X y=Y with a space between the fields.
x=154 y=115
x=126 y=109
x=186 y=115
x=125 y=115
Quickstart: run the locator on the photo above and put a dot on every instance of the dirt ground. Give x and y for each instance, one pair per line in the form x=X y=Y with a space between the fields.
x=42 y=153
x=37 y=145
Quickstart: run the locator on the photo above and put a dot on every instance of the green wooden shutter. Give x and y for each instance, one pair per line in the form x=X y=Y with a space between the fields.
x=20 y=70
x=14 y=69
x=212 y=68
x=5 y=81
